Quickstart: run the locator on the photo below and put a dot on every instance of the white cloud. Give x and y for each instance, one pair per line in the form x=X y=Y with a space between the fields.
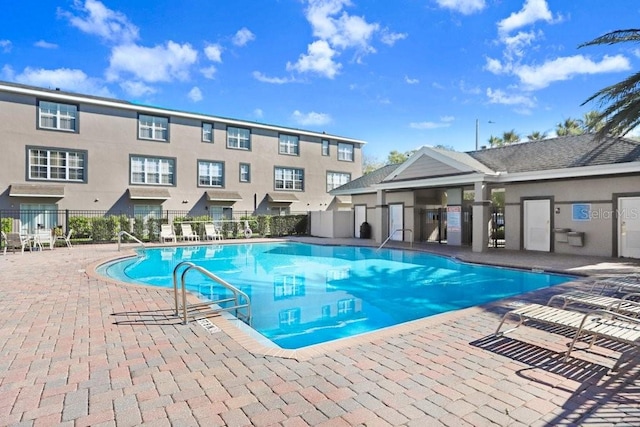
x=97 y=19
x=411 y=81
x=137 y=89
x=157 y=64
x=498 y=96
x=428 y=125
x=466 y=7
x=5 y=46
x=242 y=37
x=532 y=11
x=447 y=118
x=495 y=66
x=559 y=69
x=45 y=45
x=258 y=113
x=515 y=45
x=319 y=60
x=63 y=78
x=195 y=94
x=275 y=80
x=311 y=119
x=389 y=38
x=213 y=52
x=209 y=72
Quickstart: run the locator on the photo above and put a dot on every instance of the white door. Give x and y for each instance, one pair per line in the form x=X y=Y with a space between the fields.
x=537 y=225
x=360 y=216
x=396 y=221
x=629 y=227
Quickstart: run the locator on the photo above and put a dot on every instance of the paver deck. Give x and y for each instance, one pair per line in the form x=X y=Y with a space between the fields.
x=79 y=350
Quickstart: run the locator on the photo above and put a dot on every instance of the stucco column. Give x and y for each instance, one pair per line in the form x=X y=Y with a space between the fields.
x=381 y=225
x=481 y=216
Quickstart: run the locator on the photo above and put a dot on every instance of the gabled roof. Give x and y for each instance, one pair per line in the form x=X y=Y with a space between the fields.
x=559 y=153
x=365 y=181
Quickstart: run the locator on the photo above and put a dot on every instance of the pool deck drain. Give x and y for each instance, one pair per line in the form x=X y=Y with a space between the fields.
x=65 y=361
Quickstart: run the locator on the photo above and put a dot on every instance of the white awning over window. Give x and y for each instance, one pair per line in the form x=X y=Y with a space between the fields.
x=149 y=193
x=282 y=197
x=37 y=190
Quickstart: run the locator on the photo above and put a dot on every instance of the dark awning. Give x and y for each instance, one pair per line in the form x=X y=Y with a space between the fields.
x=222 y=196
x=282 y=197
x=149 y=193
x=36 y=190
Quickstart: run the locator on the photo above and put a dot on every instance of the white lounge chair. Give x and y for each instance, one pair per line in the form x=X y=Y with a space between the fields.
x=604 y=323
x=629 y=282
x=166 y=233
x=188 y=233
x=67 y=238
x=44 y=237
x=15 y=241
x=622 y=305
x=211 y=232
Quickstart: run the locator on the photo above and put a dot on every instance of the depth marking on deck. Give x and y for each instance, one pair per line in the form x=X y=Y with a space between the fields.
x=210 y=327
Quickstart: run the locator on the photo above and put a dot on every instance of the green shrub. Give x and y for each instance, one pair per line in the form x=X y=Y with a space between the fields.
x=6 y=225
x=81 y=226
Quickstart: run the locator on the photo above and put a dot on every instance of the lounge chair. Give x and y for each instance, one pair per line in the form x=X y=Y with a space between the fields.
x=211 y=232
x=188 y=233
x=15 y=241
x=620 y=305
x=166 y=233
x=629 y=282
x=67 y=238
x=44 y=237
x=608 y=324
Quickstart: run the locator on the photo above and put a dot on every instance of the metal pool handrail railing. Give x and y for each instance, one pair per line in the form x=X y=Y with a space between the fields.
x=130 y=236
x=394 y=232
x=238 y=295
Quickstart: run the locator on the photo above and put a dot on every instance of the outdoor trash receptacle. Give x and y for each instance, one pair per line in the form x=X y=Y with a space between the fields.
x=365 y=230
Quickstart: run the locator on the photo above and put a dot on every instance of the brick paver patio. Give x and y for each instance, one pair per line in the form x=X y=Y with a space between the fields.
x=79 y=350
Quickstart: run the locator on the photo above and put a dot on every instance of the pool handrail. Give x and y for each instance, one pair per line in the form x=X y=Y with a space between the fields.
x=237 y=293
x=130 y=236
x=394 y=232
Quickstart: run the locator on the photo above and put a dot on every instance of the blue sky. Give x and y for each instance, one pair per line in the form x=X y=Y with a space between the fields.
x=398 y=74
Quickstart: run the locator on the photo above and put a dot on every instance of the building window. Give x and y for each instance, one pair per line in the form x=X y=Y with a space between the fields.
x=245 y=172
x=238 y=138
x=37 y=215
x=207 y=132
x=289 y=317
x=153 y=127
x=57 y=165
x=219 y=214
x=345 y=152
x=336 y=179
x=289 y=179
x=150 y=170
x=288 y=286
x=53 y=115
x=289 y=144
x=210 y=174
x=325 y=147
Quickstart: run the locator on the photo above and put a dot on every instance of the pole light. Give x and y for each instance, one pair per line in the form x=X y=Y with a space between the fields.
x=478 y=130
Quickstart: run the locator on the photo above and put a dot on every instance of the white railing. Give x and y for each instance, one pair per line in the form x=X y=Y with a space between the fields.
x=130 y=236
x=394 y=232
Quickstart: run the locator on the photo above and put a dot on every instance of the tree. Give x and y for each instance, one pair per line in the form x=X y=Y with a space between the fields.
x=370 y=163
x=621 y=101
x=510 y=137
x=536 y=136
x=569 y=127
x=495 y=141
x=592 y=122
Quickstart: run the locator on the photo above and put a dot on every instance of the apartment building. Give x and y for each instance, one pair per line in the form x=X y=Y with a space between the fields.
x=63 y=150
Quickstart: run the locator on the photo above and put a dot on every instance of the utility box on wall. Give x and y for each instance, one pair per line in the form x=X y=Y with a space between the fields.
x=561 y=234
x=575 y=238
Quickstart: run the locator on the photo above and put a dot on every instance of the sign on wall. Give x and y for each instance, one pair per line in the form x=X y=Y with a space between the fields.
x=581 y=212
x=454 y=220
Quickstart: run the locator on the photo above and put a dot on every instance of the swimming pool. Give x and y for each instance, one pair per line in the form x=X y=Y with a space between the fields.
x=303 y=294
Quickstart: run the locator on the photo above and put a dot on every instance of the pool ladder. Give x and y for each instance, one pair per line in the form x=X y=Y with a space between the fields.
x=206 y=308
x=394 y=232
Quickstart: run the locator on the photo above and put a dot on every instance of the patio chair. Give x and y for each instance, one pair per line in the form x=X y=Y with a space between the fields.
x=67 y=238
x=14 y=241
x=598 y=323
x=188 y=233
x=630 y=282
x=166 y=233
x=44 y=237
x=211 y=232
x=622 y=305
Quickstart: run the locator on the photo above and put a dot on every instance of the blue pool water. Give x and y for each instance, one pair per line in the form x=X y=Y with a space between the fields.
x=304 y=294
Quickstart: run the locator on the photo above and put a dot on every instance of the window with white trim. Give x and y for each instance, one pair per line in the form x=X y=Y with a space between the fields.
x=289 y=144
x=325 y=147
x=289 y=179
x=245 y=172
x=219 y=214
x=210 y=174
x=57 y=165
x=152 y=170
x=153 y=127
x=238 y=138
x=53 y=115
x=289 y=317
x=345 y=152
x=207 y=132
x=336 y=179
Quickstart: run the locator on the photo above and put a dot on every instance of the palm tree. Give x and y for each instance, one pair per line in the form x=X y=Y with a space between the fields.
x=621 y=100
x=510 y=137
x=495 y=141
x=536 y=135
x=569 y=127
x=592 y=122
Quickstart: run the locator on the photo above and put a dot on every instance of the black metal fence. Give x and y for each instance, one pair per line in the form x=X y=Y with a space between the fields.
x=93 y=226
x=434 y=226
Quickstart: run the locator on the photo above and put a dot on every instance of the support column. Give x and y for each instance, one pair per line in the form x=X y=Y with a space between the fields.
x=481 y=216
x=380 y=231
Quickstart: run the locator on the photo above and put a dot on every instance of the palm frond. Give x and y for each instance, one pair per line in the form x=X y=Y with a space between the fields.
x=618 y=36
